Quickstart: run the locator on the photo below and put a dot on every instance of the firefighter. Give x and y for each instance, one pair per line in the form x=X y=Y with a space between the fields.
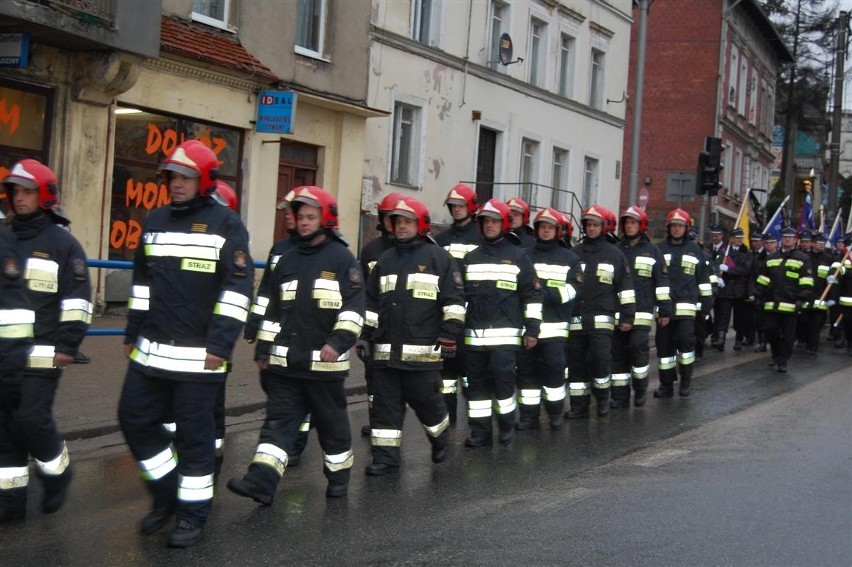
x=691 y=293
x=836 y=329
x=16 y=341
x=843 y=293
x=758 y=333
x=735 y=267
x=814 y=312
x=520 y=215
x=630 y=350
x=541 y=370
x=192 y=280
x=415 y=309
x=369 y=254
x=785 y=283
x=460 y=238
x=57 y=284
x=566 y=229
x=316 y=296
x=607 y=296
x=503 y=315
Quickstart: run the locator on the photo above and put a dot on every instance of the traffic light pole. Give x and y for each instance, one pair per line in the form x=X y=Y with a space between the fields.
x=636 y=139
x=834 y=164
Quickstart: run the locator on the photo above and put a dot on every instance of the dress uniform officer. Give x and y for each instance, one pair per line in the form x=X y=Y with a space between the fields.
x=735 y=267
x=607 y=292
x=630 y=350
x=57 y=284
x=460 y=238
x=415 y=309
x=541 y=370
x=520 y=216
x=842 y=293
x=16 y=342
x=503 y=315
x=758 y=252
x=691 y=292
x=316 y=297
x=785 y=283
x=814 y=312
x=192 y=280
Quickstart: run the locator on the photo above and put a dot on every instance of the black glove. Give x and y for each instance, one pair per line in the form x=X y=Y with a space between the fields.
x=448 y=347
x=362 y=349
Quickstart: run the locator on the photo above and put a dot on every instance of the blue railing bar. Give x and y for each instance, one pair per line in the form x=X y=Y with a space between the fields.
x=105 y=332
x=125 y=265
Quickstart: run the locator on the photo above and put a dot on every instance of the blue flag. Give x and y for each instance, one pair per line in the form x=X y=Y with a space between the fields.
x=806 y=221
x=776 y=224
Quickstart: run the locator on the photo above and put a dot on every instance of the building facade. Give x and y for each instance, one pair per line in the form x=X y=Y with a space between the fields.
x=517 y=98
x=710 y=71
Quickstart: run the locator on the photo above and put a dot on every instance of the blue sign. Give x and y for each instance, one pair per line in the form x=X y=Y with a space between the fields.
x=14 y=49
x=276 y=112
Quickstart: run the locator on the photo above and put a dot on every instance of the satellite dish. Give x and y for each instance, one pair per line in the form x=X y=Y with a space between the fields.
x=505 y=52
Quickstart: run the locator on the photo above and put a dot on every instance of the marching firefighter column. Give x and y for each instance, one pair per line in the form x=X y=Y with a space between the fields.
x=314 y=317
x=691 y=294
x=541 y=370
x=607 y=291
x=460 y=238
x=630 y=350
x=415 y=309
x=503 y=315
x=16 y=341
x=785 y=283
x=57 y=283
x=735 y=267
x=192 y=280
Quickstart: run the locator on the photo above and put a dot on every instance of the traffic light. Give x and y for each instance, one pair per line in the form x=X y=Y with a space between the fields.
x=709 y=167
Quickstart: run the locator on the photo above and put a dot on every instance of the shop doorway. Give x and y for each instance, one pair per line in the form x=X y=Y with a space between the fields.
x=297 y=165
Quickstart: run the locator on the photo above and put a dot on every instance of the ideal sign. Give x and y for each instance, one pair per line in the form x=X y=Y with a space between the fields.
x=276 y=112
x=14 y=49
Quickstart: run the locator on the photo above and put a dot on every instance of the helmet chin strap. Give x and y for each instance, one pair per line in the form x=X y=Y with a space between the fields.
x=312 y=235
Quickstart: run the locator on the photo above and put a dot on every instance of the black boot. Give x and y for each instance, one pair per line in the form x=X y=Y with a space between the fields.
x=55 y=491
x=185 y=535
x=639 y=397
x=720 y=344
x=579 y=407
x=620 y=397
x=664 y=391
x=761 y=342
x=13 y=504
x=529 y=418
x=158 y=517
x=685 y=389
x=259 y=484
x=738 y=342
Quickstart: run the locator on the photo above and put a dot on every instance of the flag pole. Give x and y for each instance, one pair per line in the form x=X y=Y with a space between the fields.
x=775 y=215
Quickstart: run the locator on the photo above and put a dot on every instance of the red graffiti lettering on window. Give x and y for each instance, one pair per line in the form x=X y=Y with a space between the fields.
x=148 y=195
x=10 y=116
x=125 y=234
x=167 y=140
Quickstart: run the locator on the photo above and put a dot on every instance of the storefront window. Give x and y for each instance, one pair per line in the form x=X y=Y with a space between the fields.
x=142 y=140
x=25 y=114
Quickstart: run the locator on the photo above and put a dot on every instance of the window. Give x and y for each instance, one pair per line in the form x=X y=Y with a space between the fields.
x=737 y=175
x=559 y=180
x=211 y=12
x=680 y=186
x=537 y=52
x=405 y=156
x=591 y=174
x=733 y=69
x=424 y=18
x=566 y=66
x=753 y=95
x=499 y=23
x=529 y=158
x=596 y=81
x=742 y=89
x=310 y=27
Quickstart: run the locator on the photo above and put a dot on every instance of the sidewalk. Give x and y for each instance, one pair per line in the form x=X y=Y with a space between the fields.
x=87 y=401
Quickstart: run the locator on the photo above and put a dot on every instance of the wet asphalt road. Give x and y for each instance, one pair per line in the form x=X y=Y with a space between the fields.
x=753 y=469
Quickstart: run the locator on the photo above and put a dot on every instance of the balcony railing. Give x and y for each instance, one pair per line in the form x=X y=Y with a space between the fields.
x=98 y=12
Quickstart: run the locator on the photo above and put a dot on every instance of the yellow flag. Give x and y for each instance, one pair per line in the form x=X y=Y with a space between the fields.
x=744 y=217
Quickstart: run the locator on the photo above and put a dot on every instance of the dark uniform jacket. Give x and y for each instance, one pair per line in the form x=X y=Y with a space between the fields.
x=371 y=252
x=192 y=283
x=786 y=282
x=650 y=282
x=261 y=300
x=739 y=275
x=503 y=296
x=558 y=271
x=414 y=296
x=58 y=287
x=16 y=314
x=316 y=297
x=526 y=235
x=689 y=279
x=459 y=240
x=821 y=265
x=607 y=287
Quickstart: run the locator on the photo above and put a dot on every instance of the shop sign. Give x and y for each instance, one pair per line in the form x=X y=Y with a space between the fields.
x=276 y=111
x=14 y=49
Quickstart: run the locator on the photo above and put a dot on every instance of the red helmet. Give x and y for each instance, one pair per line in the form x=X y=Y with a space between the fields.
x=193 y=159
x=412 y=208
x=567 y=226
x=610 y=221
x=314 y=196
x=462 y=194
x=678 y=216
x=388 y=204
x=548 y=215
x=496 y=209
x=636 y=213
x=520 y=206
x=226 y=195
x=284 y=202
x=594 y=213
x=33 y=174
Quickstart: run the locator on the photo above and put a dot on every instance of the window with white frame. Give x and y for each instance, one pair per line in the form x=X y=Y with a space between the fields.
x=529 y=173
x=596 y=79
x=424 y=21
x=499 y=25
x=728 y=173
x=405 y=145
x=537 y=51
x=567 y=47
x=743 y=86
x=733 y=73
x=310 y=27
x=737 y=177
x=559 y=179
x=211 y=12
x=753 y=96
x=591 y=179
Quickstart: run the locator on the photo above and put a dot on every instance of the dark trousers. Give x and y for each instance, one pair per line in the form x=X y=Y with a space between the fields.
x=13 y=454
x=289 y=400
x=34 y=422
x=781 y=334
x=675 y=350
x=630 y=360
x=491 y=382
x=392 y=389
x=590 y=366
x=452 y=374
x=146 y=403
x=723 y=307
x=812 y=321
x=542 y=368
